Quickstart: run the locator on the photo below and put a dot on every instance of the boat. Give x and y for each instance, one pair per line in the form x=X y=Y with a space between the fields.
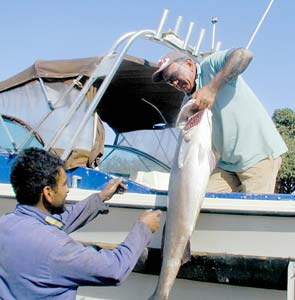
x=241 y=241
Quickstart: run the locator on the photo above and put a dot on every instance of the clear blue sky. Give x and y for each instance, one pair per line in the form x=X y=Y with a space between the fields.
x=60 y=29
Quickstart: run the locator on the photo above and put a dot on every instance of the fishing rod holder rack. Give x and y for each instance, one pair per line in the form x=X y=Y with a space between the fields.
x=171 y=37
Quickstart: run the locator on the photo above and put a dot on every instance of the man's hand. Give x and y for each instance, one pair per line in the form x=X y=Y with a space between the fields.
x=151 y=218
x=115 y=185
x=185 y=112
x=236 y=63
x=204 y=97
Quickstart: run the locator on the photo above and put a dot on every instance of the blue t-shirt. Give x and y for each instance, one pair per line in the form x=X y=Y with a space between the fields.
x=243 y=133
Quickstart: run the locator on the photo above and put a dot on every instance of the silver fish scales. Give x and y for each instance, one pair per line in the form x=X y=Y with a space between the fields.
x=192 y=165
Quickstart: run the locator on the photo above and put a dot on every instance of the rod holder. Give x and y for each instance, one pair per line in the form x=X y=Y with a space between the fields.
x=199 y=41
x=218 y=46
x=188 y=34
x=161 y=25
x=177 y=25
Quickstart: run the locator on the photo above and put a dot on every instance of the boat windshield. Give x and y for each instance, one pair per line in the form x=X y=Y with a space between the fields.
x=15 y=135
x=135 y=165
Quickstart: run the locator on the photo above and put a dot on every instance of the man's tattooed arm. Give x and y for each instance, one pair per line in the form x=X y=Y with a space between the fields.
x=237 y=62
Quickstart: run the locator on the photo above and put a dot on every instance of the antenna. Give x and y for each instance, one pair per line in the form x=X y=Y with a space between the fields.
x=259 y=24
x=213 y=21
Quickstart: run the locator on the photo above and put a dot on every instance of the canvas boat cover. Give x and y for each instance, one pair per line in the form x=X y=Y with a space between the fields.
x=121 y=107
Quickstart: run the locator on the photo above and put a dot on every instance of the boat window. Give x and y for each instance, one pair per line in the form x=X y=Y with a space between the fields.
x=14 y=132
x=127 y=162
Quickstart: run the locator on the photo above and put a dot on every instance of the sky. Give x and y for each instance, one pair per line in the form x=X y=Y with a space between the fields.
x=63 y=29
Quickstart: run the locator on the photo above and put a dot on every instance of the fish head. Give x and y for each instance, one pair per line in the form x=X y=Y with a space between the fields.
x=185 y=113
x=196 y=139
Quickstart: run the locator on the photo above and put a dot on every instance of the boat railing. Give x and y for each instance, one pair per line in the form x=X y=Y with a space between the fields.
x=108 y=66
x=110 y=63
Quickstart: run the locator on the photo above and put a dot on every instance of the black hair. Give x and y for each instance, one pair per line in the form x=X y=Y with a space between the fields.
x=32 y=170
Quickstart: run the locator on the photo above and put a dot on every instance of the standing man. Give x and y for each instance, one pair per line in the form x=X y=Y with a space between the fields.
x=39 y=260
x=247 y=144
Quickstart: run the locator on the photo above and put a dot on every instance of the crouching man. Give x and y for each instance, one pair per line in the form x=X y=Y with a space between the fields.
x=39 y=260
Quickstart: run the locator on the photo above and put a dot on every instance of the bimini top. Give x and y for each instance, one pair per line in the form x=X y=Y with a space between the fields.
x=121 y=106
x=66 y=68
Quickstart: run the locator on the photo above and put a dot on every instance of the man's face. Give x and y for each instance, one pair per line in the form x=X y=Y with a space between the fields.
x=181 y=76
x=59 y=193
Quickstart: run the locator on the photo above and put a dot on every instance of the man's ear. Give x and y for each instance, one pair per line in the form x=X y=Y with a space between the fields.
x=190 y=63
x=47 y=193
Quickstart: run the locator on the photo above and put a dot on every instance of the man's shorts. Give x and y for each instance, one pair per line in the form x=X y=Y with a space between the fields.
x=260 y=178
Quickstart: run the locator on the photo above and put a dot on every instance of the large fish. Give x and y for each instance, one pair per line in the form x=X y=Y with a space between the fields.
x=192 y=165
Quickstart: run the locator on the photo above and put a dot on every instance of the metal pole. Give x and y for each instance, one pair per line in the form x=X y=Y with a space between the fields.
x=259 y=24
x=189 y=32
x=43 y=89
x=120 y=40
x=102 y=89
x=75 y=105
x=199 y=42
x=67 y=91
x=218 y=46
x=214 y=21
x=177 y=25
x=162 y=22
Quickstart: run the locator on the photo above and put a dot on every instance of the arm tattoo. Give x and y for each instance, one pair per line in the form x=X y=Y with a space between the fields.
x=236 y=64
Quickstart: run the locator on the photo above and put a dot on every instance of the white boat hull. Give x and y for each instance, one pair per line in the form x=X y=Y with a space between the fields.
x=140 y=287
x=228 y=226
x=230 y=234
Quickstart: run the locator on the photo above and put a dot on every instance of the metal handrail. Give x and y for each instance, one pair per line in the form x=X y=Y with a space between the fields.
x=75 y=105
x=103 y=88
x=35 y=129
x=129 y=38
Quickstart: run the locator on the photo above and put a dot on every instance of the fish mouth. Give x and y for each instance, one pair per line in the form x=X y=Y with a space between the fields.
x=194 y=120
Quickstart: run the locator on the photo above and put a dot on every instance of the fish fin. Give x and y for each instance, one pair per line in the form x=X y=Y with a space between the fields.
x=187 y=253
x=185 y=112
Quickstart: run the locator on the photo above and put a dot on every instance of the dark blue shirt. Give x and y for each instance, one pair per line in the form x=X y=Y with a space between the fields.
x=39 y=260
